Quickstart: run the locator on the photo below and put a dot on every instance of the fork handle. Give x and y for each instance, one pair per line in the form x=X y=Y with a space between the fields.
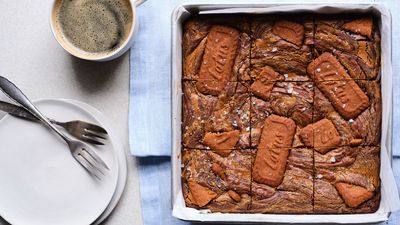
x=17 y=95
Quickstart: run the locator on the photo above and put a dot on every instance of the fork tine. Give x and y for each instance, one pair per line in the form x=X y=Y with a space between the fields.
x=87 y=165
x=96 y=157
x=90 y=140
x=91 y=161
x=94 y=127
x=94 y=134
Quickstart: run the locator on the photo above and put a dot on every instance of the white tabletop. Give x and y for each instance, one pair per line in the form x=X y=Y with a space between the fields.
x=33 y=60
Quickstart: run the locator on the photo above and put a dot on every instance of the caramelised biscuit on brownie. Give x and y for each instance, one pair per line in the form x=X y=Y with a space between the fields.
x=216 y=48
x=294 y=194
x=353 y=40
x=347 y=180
x=282 y=177
x=289 y=99
x=282 y=43
x=216 y=122
x=351 y=122
x=219 y=183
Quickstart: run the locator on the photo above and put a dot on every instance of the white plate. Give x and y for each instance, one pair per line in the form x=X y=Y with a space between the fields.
x=120 y=152
x=41 y=183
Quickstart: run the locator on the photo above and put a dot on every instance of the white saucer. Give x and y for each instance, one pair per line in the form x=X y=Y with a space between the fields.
x=41 y=183
x=120 y=152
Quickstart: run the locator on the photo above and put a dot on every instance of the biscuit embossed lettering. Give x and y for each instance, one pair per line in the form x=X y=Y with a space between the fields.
x=218 y=59
x=334 y=82
x=290 y=31
x=273 y=150
x=321 y=135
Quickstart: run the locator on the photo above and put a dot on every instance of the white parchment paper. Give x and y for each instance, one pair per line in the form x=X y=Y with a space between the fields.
x=389 y=194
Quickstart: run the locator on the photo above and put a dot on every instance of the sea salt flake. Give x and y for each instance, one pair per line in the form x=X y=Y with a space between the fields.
x=351 y=121
x=234 y=123
x=319 y=176
x=290 y=88
x=286 y=75
x=247 y=128
x=274 y=49
x=332 y=159
x=318 y=69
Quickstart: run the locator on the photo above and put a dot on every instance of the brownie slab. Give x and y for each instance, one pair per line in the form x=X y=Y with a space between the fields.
x=218 y=122
x=282 y=44
x=216 y=48
x=221 y=184
x=364 y=128
x=294 y=193
x=347 y=180
x=293 y=100
x=353 y=40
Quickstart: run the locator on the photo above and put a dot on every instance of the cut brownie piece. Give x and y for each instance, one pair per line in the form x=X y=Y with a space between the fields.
x=363 y=128
x=283 y=44
x=221 y=184
x=216 y=47
x=219 y=122
x=353 y=40
x=294 y=193
x=293 y=100
x=347 y=180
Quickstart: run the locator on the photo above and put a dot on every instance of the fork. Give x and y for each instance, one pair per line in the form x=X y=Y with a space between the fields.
x=81 y=130
x=82 y=152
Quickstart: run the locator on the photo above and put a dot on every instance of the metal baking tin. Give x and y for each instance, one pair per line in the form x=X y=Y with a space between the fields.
x=180 y=211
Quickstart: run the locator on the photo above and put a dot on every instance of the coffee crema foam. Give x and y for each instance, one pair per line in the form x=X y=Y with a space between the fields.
x=95 y=26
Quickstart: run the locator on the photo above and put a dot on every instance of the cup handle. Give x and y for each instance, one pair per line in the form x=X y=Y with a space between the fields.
x=138 y=2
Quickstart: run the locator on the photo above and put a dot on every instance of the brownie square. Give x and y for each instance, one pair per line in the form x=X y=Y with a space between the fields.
x=219 y=183
x=347 y=180
x=230 y=35
x=362 y=128
x=353 y=40
x=218 y=122
x=293 y=191
x=282 y=43
x=293 y=100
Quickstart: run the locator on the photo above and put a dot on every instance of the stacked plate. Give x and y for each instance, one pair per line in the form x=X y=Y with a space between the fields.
x=42 y=184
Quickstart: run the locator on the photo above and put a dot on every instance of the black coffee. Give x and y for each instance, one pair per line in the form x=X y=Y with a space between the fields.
x=95 y=25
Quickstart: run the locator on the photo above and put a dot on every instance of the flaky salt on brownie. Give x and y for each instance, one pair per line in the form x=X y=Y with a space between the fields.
x=229 y=29
x=282 y=176
x=347 y=180
x=219 y=183
x=207 y=120
x=305 y=101
x=282 y=43
x=349 y=110
x=353 y=40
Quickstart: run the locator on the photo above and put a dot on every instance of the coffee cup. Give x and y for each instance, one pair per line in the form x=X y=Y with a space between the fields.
x=95 y=30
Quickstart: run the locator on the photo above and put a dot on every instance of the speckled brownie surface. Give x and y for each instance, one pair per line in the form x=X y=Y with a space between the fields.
x=281 y=113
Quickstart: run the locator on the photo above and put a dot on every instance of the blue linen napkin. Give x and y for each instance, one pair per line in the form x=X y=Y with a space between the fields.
x=150 y=124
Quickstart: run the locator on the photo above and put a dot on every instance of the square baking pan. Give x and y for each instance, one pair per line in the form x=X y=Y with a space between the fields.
x=389 y=195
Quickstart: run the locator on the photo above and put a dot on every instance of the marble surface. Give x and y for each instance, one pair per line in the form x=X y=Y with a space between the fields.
x=33 y=60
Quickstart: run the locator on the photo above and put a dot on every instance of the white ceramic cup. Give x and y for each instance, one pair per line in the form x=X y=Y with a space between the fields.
x=98 y=57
